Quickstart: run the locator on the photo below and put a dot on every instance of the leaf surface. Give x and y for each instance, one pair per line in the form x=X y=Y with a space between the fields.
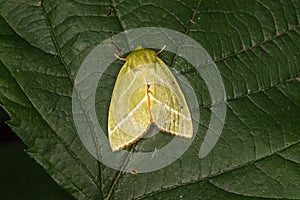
x=255 y=45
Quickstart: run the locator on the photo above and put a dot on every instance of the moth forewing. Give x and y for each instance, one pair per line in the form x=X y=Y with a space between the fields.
x=168 y=106
x=129 y=115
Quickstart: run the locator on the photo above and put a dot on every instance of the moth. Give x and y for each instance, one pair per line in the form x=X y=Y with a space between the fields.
x=146 y=92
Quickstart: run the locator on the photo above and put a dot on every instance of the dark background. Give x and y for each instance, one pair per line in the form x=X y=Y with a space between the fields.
x=20 y=176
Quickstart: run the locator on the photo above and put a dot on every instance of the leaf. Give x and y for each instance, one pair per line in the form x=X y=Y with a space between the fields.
x=255 y=46
x=27 y=19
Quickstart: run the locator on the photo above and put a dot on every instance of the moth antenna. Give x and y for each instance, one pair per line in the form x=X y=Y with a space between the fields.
x=113 y=42
x=118 y=57
x=161 y=50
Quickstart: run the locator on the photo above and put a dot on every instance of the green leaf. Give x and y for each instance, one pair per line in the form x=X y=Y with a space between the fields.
x=255 y=45
x=27 y=19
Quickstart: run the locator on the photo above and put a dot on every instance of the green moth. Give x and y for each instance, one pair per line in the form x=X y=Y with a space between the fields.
x=146 y=92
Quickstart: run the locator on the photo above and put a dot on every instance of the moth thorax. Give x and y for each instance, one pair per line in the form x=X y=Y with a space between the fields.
x=141 y=57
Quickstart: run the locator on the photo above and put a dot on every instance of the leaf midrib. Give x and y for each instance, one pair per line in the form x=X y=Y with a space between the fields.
x=189 y=25
x=216 y=60
x=118 y=176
